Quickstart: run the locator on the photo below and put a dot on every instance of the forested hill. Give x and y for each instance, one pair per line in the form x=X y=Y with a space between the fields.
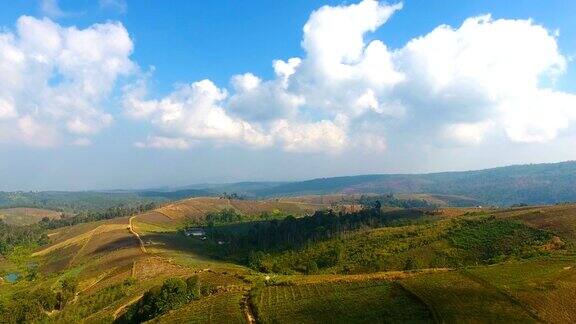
x=520 y=184
x=531 y=184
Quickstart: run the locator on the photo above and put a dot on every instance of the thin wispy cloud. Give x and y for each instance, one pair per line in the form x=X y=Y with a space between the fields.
x=51 y=8
x=119 y=6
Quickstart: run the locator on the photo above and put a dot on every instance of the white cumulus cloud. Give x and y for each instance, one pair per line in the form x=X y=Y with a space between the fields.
x=55 y=81
x=486 y=79
x=192 y=112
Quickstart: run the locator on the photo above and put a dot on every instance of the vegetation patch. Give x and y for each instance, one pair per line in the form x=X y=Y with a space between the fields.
x=25 y=306
x=27 y=216
x=238 y=240
x=490 y=240
x=547 y=285
x=371 y=240
x=455 y=298
x=222 y=307
x=390 y=248
x=174 y=293
x=345 y=302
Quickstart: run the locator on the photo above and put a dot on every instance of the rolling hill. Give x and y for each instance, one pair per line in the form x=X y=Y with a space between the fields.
x=533 y=184
x=523 y=184
x=26 y=216
x=458 y=265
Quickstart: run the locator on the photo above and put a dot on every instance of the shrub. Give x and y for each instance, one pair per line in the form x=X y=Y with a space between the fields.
x=173 y=293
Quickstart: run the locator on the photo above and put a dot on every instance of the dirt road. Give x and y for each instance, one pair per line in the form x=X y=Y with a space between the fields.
x=131 y=229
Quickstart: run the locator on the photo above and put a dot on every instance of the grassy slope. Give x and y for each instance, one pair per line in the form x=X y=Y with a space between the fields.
x=26 y=216
x=429 y=243
x=105 y=253
x=219 y=308
x=198 y=207
x=344 y=302
x=546 y=287
x=560 y=219
x=382 y=249
x=455 y=298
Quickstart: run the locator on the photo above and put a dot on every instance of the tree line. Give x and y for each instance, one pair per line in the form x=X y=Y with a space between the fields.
x=244 y=241
x=32 y=306
x=174 y=293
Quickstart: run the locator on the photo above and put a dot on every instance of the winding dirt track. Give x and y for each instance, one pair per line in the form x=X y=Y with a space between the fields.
x=123 y=306
x=250 y=318
x=143 y=249
x=131 y=229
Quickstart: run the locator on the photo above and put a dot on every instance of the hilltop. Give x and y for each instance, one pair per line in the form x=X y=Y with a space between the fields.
x=520 y=184
x=532 y=184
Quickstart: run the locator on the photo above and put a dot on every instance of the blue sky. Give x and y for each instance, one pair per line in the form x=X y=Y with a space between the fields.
x=303 y=126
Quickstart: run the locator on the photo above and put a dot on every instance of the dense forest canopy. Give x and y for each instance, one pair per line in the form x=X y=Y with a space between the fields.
x=242 y=240
x=529 y=184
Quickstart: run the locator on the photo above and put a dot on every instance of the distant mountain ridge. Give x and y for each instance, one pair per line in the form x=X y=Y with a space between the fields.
x=532 y=184
x=548 y=183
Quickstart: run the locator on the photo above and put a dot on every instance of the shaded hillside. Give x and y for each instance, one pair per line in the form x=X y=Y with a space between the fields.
x=530 y=184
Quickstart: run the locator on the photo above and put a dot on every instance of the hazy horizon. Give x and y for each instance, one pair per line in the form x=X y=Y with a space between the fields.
x=207 y=184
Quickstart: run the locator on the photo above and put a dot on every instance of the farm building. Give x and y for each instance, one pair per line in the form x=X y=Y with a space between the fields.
x=196 y=232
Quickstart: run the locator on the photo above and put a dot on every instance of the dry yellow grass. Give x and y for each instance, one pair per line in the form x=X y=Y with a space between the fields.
x=152 y=267
x=81 y=238
x=199 y=207
x=26 y=216
x=387 y=275
x=560 y=219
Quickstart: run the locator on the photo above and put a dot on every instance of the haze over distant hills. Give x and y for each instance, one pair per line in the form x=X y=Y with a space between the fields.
x=532 y=184
x=548 y=183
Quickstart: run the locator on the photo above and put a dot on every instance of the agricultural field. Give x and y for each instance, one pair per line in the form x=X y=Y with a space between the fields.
x=547 y=287
x=560 y=219
x=368 y=301
x=453 y=297
x=26 y=216
x=195 y=208
x=225 y=307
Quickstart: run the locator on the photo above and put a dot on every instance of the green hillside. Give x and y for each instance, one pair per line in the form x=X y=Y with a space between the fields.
x=255 y=262
x=530 y=184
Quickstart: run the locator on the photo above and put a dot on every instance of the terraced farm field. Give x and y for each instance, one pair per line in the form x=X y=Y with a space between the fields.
x=223 y=307
x=455 y=298
x=560 y=219
x=199 y=207
x=370 y=301
x=85 y=243
x=547 y=287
